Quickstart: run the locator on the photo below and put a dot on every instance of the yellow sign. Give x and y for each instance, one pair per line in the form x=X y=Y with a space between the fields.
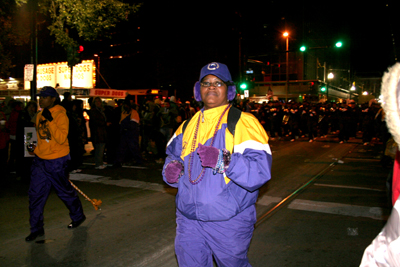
x=46 y=76
x=84 y=75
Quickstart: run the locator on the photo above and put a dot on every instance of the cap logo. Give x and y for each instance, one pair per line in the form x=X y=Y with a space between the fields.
x=213 y=66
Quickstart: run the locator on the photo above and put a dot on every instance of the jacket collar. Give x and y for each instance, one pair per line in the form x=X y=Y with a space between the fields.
x=213 y=113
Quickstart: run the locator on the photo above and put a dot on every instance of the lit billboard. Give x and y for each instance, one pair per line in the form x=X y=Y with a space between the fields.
x=84 y=75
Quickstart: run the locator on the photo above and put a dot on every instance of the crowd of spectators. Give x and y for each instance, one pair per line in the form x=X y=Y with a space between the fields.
x=313 y=120
x=14 y=117
x=123 y=132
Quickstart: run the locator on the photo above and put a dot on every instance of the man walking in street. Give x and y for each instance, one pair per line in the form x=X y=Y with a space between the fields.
x=49 y=167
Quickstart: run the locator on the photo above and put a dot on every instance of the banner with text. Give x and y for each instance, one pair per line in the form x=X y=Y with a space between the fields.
x=108 y=93
x=84 y=75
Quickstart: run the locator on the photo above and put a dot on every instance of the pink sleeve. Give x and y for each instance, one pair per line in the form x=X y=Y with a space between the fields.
x=396 y=178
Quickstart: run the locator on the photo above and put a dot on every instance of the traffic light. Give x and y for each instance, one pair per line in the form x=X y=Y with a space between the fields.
x=243 y=86
x=339 y=44
x=303 y=48
x=311 y=86
x=323 y=89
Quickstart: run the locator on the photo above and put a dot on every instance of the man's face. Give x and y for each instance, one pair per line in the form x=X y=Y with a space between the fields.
x=213 y=96
x=46 y=101
x=31 y=109
x=127 y=107
x=98 y=103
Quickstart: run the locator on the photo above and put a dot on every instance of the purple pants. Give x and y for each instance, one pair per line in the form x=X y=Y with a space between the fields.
x=197 y=242
x=46 y=174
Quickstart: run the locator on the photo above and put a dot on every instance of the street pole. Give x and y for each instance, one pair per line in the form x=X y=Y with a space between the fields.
x=286 y=35
x=70 y=79
x=240 y=59
x=34 y=49
x=287 y=67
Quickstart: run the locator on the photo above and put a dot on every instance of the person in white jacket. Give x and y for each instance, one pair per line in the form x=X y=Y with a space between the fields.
x=385 y=248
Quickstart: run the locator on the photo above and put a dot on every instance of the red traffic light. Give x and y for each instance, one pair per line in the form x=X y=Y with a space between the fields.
x=80 y=49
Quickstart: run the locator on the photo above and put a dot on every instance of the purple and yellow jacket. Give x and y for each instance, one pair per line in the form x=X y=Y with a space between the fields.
x=219 y=197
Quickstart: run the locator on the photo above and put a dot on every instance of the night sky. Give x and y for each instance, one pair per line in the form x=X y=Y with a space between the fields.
x=188 y=36
x=177 y=39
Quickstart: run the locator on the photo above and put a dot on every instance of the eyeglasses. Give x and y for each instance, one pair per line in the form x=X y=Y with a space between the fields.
x=215 y=84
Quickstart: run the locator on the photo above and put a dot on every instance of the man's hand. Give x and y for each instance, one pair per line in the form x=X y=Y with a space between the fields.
x=208 y=155
x=47 y=114
x=31 y=147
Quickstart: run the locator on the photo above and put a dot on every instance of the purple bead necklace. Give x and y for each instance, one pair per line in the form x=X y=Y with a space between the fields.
x=193 y=149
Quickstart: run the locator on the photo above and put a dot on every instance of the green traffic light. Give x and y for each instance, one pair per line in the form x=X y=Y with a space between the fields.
x=243 y=86
x=323 y=89
x=303 y=48
x=339 y=44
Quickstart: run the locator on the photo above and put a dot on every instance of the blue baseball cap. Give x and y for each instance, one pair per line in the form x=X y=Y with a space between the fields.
x=47 y=91
x=217 y=69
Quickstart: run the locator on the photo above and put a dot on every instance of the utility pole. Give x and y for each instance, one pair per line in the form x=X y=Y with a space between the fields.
x=286 y=35
x=287 y=68
x=240 y=59
x=34 y=48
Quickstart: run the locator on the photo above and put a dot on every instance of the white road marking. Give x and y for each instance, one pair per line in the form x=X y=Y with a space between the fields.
x=86 y=177
x=337 y=208
x=168 y=250
x=267 y=200
x=121 y=182
x=123 y=166
x=297 y=204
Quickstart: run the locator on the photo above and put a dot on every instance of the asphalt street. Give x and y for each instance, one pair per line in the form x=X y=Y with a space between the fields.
x=329 y=201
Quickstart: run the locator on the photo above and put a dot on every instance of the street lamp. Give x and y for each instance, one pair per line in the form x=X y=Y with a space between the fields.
x=330 y=76
x=286 y=35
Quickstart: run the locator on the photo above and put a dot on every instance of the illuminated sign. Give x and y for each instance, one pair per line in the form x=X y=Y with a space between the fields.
x=84 y=75
x=108 y=93
x=28 y=72
x=46 y=75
